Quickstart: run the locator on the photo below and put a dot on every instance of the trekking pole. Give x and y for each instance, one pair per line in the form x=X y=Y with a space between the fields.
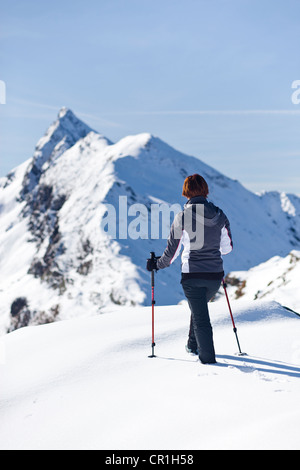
x=153 y=303
x=234 y=327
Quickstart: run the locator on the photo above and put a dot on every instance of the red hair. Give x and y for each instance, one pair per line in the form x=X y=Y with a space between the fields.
x=195 y=185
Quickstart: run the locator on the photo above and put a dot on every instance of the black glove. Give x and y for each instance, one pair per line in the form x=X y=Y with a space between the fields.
x=152 y=263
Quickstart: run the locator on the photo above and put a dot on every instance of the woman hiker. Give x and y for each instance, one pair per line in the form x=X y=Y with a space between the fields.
x=204 y=231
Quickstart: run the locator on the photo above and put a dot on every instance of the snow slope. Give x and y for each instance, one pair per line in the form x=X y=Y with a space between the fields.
x=55 y=257
x=277 y=279
x=88 y=383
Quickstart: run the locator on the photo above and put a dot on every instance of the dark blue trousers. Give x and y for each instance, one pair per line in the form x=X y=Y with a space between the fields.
x=198 y=292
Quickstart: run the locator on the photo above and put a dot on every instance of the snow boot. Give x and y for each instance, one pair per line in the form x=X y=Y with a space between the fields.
x=194 y=352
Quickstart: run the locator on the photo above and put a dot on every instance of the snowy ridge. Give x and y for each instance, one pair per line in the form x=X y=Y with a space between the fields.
x=88 y=383
x=57 y=260
x=276 y=279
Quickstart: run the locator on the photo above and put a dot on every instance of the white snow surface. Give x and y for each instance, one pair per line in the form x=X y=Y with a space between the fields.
x=88 y=383
x=277 y=279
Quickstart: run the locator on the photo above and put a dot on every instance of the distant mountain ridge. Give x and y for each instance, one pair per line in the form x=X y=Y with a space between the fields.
x=54 y=254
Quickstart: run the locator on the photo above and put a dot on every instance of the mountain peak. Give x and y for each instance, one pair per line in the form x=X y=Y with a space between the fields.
x=66 y=115
x=59 y=137
x=63 y=111
x=68 y=125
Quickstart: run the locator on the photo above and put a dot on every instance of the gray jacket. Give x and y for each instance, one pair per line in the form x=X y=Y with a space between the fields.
x=204 y=231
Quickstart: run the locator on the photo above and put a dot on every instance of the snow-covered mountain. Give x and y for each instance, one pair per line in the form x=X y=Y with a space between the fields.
x=57 y=262
x=276 y=279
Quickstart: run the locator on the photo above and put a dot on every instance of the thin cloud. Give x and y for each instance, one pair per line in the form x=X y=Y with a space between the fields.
x=200 y=112
x=33 y=104
x=220 y=112
x=23 y=102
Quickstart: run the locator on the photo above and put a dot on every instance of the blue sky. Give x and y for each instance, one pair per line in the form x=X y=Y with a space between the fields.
x=212 y=78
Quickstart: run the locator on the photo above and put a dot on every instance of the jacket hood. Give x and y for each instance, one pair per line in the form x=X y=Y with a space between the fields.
x=212 y=213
